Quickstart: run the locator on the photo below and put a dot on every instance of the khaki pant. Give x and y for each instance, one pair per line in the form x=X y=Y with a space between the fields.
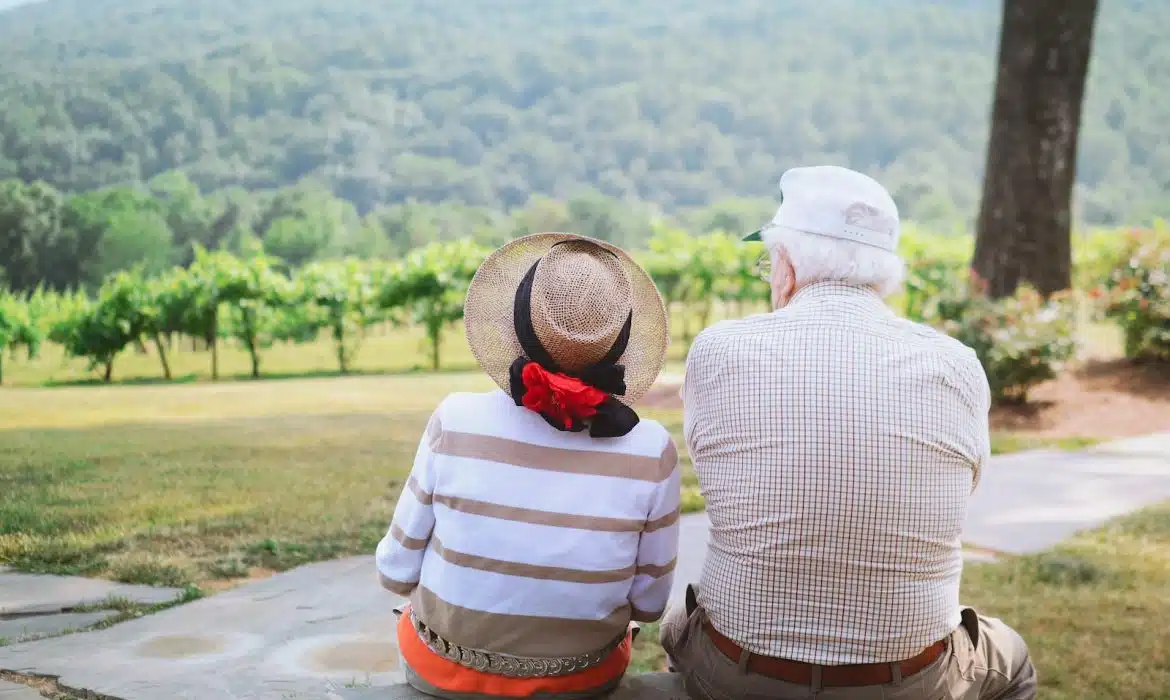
x=985 y=660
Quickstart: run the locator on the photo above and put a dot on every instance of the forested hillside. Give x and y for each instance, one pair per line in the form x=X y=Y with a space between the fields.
x=677 y=103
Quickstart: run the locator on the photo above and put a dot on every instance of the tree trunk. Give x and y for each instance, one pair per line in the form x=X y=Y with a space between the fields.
x=342 y=359
x=109 y=373
x=1023 y=231
x=213 y=345
x=250 y=325
x=162 y=356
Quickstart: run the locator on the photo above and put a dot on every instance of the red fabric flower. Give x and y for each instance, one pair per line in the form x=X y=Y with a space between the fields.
x=560 y=397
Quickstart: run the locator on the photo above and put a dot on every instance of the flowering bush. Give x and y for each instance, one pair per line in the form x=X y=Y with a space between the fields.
x=928 y=280
x=1095 y=255
x=1021 y=340
x=1136 y=294
x=935 y=266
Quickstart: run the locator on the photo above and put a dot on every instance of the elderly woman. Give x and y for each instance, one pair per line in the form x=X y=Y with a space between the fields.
x=540 y=520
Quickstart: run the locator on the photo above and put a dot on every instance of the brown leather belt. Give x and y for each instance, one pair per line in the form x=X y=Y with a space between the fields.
x=851 y=676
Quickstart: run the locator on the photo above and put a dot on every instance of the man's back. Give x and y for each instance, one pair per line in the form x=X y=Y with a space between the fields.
x=836 y=445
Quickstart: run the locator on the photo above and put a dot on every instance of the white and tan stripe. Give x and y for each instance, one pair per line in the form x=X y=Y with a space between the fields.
x=509 y=525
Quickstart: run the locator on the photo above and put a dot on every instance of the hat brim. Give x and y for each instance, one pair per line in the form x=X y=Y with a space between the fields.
x=754 y=236
x=488 y=320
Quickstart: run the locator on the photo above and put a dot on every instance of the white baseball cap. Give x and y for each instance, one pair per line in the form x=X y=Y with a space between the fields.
x=836 y=202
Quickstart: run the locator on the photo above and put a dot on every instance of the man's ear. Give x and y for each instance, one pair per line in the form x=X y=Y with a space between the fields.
x=790 y=275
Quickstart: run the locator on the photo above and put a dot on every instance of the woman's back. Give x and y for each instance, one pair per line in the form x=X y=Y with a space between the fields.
x=540 y=520
x=543 y=542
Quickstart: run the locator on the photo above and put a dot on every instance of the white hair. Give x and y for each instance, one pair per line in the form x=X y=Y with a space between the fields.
x=822 y=259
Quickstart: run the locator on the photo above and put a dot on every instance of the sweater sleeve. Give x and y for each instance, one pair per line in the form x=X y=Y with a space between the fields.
x=658 y=545
x=400 y=554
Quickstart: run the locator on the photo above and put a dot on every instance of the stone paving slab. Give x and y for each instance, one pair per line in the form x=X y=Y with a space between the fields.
x=41 y=593
x=13 y=691
x=20 y=628
x=1030 y=501
x=299 y=635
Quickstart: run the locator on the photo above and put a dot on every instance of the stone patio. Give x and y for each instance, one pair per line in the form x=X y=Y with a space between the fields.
x=35 y=606
x=37 y=594
x=325 y=630
x=12 y=691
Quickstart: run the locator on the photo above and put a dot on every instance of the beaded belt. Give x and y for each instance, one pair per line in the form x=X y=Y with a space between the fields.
x=506 y=664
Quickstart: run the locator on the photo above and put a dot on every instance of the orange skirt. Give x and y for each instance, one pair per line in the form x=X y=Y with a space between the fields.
x=449 y=676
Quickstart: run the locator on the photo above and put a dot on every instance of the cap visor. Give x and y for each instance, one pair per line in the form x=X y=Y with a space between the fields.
x=753 y=236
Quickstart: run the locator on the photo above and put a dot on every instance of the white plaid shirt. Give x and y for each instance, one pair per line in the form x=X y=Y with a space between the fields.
x=836 y=445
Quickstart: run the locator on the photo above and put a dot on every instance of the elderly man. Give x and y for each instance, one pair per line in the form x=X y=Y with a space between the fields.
x=837 y=445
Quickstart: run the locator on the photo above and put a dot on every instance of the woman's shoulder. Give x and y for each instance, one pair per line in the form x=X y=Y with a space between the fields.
x=464 y=401
x=648 y=428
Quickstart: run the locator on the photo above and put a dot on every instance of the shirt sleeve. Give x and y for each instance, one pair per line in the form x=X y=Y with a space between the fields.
x=981 y=423
x=400 y=554
x=975 y=392
x=658 y=545
x=704 y=369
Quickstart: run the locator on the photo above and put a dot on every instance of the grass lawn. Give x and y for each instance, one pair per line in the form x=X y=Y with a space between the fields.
x=206 y=483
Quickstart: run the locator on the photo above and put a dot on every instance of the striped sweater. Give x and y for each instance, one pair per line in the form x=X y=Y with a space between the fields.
x=516 y=538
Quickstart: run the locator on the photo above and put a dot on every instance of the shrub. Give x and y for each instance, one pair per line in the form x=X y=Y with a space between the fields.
x=1136 y=294
x=927 y=280
x=19 y=326
x=1021 y=340
x=935 y=266
x=1095 y=254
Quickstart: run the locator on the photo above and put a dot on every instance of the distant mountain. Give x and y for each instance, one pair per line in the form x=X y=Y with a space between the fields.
x=487 y=102
x=9 y=4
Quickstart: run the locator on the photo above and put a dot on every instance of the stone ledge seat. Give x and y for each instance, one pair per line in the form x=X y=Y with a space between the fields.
x=645 y=686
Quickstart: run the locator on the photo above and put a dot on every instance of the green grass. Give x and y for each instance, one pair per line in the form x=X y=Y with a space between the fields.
x=1002 y=443
x=385 y=351
x=188 y=484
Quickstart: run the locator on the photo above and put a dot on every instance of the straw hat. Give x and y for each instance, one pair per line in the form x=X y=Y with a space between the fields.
x=583 y=291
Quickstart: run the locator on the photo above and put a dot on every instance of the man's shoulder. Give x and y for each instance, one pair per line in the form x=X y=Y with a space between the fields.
x=965 y=370
x=728 y=331
x=938 y=341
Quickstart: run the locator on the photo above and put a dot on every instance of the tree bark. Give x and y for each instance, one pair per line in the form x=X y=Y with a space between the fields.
x=162 y=356
x=213 y=344
x=1023 y=230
